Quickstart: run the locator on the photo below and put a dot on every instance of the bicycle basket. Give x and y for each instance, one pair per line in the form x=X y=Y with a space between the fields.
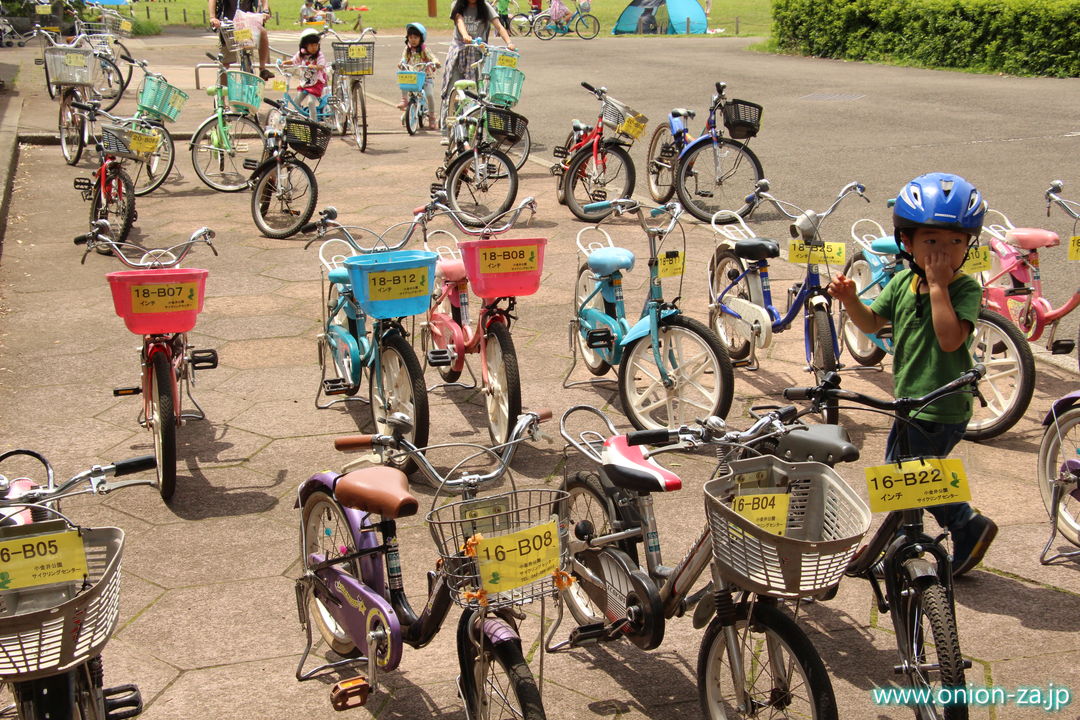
x=307 y=138
x=504 y=125
x=160 y=99
x=503 y=267
x=244 y=90
x=480 y=542
x=411 y=80
x=817 y=535
x=47 y=628
x=354 y=58
x=102 y=43
x=618 y=116
x=71 y=66
x=742 y=119
x=499 y=57
x=117 y=25
x=392 y=284
x=504 y=86
x=129 y=142
x=159 y=301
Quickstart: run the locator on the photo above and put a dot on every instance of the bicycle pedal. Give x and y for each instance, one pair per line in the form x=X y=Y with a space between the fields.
x=740 y=363
x=251 y=164
x=126 y=391
x=560 y=152
x=82 y=183
x=599 y=339
x=704 y=193
x=335 y=386
x=439 y=357
x=598 y=195
x=350 y=693
x=1062 y=347
x=122 y=701
x=668 y=151
x=39 y=61
x=557 y=170
x=588 y=634
x=203 y=359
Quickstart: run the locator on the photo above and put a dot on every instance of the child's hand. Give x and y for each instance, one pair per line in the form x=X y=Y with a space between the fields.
x=939 y=269
x=843 y=289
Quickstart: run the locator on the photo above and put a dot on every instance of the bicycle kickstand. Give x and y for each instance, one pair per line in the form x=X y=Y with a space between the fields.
x=1058 y=492
x=573 y=332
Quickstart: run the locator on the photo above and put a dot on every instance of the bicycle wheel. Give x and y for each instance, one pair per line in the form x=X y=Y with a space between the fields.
x=126 y=68
x=218 y=155
x=783 y=675
x=148 y=176
x=339 y=105
x=661 y=169
x=823 y=356
x=327 y=535
x=696 y=363
x=588 y=514
x=1010 y=375
x=520 y=25
x=108 y=84
x=587 y=27
x=932 y=659
x=284 y=198
x=593 y=360
x=161 y=417
x=862 y=348
x=1059 y=452
x=717 y=175
x=481 y=186
x=115 y=202
x=403 y=390
x=725 y=325
x=359 y=115
x=72 y=126
x=412 y=116
x=503 y=392
x=497 y=682
x=542 y=27
x=608 y=176
x=339 y=342
x=53 y=89
x=518 y=152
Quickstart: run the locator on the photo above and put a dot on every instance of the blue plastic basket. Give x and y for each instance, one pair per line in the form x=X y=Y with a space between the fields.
x=504 y=86
x=411 y=80
x=393 y=284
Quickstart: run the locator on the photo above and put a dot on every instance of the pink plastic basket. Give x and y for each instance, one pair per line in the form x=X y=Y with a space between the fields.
x=155 y=302
x=503 y=267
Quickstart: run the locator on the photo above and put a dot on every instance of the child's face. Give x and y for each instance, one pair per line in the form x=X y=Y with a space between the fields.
x=414 y=40
x=312 y=48
x=926 y=242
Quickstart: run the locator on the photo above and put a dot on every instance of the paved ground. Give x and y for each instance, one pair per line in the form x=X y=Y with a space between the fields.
x=208 y=623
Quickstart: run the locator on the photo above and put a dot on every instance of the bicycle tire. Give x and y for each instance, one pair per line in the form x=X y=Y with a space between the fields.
x=1010 y=375
x=773 y=629
x=339 y=341
x=728 y=187
x=583 y=181
x=1060 y=444
x=327 y=532
x=587 y=27
x=593 y=360
x=404 y=390
x=52 y=89
x=412 y=117
x=660 y=171
x=468 y=193
x=862 y=348
x=150 y=175
x=110 y=84
x=520 y=25
x=503 y=393
x=338 y=105
x=654 y=406
x=560 y=188
x=542 y=27
x=519 y=151
x=72 y=127
x=823 y=357
x=724 y=324
x=359 y=115
x=162 y=420
x=118 y=204
x=284 y=198
x=496 y=675
x=929 y=601
x=221 y=171
x=120 y=51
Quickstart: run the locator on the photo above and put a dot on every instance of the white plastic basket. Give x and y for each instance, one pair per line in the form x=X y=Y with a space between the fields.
x=71 y=66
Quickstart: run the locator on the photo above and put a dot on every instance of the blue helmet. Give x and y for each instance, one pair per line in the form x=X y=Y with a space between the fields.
x=419 y=28
x=939 y=200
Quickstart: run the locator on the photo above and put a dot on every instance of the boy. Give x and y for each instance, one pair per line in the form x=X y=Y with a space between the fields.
x=933 y=307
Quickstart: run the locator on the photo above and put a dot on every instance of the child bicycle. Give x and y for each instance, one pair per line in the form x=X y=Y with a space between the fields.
x=160 y=302
x=353 y=60
x=352 y=592
x=411 y=79
x=329 y=109
x=1058 y=474
x=585 y=24
x=158 y=102
x=60 y=620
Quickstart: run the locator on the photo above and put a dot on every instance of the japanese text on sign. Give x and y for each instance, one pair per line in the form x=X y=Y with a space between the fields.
x=510 y=259
x=978 y=260
x=507 y=61
x=769 y=511
x=41 y=560
x=916 y=484
x=832 y=253
x=75 y=60
x=398 y=284
x=358 y=51
x=520 y=558
x=671 y=265
x=143 y=142
x=1074 y=247
x=166 y=297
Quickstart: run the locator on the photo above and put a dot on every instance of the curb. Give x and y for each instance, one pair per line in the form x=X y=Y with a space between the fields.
x=9 y=154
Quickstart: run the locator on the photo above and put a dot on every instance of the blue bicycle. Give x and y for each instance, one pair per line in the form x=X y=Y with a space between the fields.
x=328 y=109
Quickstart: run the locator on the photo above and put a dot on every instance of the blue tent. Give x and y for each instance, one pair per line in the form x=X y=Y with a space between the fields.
x=661 y=16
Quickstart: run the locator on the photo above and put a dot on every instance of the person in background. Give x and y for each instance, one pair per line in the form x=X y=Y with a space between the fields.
x=314 y=79
x=220 y=10
x=416 y=52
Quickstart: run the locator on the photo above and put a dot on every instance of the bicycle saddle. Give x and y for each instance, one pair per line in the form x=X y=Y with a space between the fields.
x=378 y=490
x=757 y=249
x=465 y=85
x=683 y=112
x=608 y=260
x=452 y=270
x=1031 y=238
x=627 y=467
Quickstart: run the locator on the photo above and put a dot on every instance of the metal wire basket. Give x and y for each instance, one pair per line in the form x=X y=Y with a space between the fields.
x=621 y=118
x=505 y=125
x=307 y=138
x=354 y=58
x=71 y=66
x=824 y=523
x=742 y=119
x=129 y=142
x=478 y=539
x=117 y=24
x=237 y=38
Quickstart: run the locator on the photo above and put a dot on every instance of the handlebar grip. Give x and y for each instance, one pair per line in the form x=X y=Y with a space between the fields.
x=663 y=436
x=657 y=211
x=588 y=87
x=544 y=414
x=212 y=57
x=309 y=227
x=128 y=58
x=135 y=465
x=354 y=442
x=82 y=239
x=798 y=393
x=788 y=413
x=82 y=105
x=597 y=206
x=272 y=103
x=471 y=94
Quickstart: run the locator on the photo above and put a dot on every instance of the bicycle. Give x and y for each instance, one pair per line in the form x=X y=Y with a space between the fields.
x=1058 y=474
x=593 y=162
x=353 y=60
x=75 y=65
x=521 y=24
x=585 y=24
x=224 y=143
x=160 y=302
x=671 y=368
x=104 y=36
x=616 y=595
x=915 y=567
x=411 y=80
x=996 y=342
x=61 y=618
x=328 y=110
x=498 y=270
x=741 y=309
x=384 y=284
x=351 y=589
x=676 y=163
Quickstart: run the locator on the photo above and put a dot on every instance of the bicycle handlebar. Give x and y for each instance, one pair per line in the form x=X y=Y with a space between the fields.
x=623 y=206
x=807 y=222
x=153 y=258
x=1071 y=208
x=830 y=389
x=98 y=476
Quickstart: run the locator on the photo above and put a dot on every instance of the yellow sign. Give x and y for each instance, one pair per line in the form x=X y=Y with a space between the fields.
x=176 y=101
x=520 y=558
x=75 y=59
x=507 y=61
x=916 y=484
x=769 y=511
x=978 y=260
x=1074 y=247
x=833 y=253
x=165 y=298
x=407 y=78
x=42 y=560
x=43 y=9
x=358 y=51
x=633 y=126
x=398 y=284
x=143 y=142
x=243 y=36
x=279 y=85
x=125 y=26
x=672 y=264
x=508 y=259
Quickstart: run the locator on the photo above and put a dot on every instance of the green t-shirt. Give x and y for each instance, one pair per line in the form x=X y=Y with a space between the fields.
x=919 y=363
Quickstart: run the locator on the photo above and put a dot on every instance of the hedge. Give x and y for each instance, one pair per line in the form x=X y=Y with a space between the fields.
x=1019 y=37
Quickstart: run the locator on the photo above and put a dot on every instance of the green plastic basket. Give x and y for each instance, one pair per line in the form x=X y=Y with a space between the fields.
x=160 y=99
x=504 y=86
x=245 y=91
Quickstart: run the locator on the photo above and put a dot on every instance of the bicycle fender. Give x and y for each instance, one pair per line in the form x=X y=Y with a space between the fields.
x=342 y=337
x=271 y=162
x=818 y=300
x=641 y=327
x=1061 y=405
x=705 y=139
x=355 y=606
x=921 y=571
x=609 y=141
x=498 y=631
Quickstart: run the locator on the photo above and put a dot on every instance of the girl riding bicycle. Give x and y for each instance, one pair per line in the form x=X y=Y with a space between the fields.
x=415 y=53
x=314 y=81
x=472 y=19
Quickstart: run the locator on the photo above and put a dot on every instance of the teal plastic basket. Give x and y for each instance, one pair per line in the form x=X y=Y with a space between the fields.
x=393 y=284
x=245 y=91
x=411 y=80
x=504 y=86
x=160 y=99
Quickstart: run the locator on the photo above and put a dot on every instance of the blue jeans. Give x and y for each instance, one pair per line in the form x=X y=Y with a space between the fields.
x=932 y=439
